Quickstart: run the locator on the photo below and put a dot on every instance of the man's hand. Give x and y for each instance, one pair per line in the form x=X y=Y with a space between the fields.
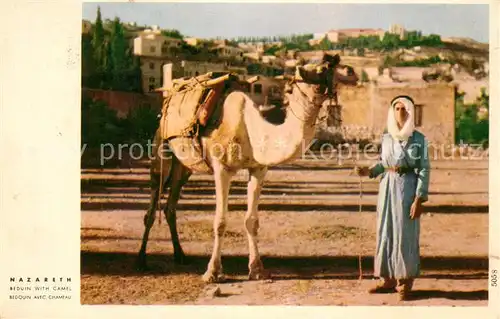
x=361 y=171
x=416 y=208
x=349 y=71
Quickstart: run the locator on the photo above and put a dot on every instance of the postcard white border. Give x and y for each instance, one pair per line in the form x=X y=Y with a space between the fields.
x=40 y=171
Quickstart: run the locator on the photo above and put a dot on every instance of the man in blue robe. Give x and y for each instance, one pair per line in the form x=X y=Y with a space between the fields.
x=404 y=167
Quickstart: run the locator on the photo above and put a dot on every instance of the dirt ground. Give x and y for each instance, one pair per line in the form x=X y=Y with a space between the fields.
x=311 y=236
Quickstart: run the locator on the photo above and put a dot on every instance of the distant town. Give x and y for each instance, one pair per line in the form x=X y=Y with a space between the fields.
x=125 y=57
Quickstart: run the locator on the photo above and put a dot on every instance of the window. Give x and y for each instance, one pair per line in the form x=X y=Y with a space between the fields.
x=257 y=88
x=152 y=49
x=418 y=115
x=164 y=50
x=274 y=91
x=245 y=87
x=151 y=87
x=151 y=65
x=152 y=80
x=334 y=116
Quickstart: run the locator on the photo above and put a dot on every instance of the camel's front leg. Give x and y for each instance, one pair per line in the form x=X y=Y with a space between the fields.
x=222 y=185
x=255 y=266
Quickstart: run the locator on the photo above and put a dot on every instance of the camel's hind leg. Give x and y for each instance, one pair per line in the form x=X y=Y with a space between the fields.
x=178 y=177
x=159 y=175
x=149 y=218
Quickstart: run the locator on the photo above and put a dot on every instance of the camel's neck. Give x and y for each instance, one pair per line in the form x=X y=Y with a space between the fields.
x=305 y=111
x=274 y=144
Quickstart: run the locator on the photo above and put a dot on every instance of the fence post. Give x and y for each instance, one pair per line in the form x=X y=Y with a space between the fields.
x=167 y=77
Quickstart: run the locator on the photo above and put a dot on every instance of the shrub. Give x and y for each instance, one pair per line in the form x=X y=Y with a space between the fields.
x=469 y=127
x=100 y=124
x=142 y=123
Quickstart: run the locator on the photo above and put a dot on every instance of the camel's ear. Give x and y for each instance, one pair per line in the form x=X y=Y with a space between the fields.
x=333 y=60
x=336 y=59
x=253 y=79
x=301 y=73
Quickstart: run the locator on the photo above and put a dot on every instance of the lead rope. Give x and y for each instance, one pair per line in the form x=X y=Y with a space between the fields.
x=161 y=166
x=360 y=267
x=360 y=211
x=161 y=184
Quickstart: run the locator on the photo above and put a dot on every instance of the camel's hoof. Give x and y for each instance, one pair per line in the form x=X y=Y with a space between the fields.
x=181 y=259
x=210 y=277
x=259 y=274
x=141 y=265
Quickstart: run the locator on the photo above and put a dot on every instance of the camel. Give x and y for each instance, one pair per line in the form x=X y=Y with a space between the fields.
x=260 y=145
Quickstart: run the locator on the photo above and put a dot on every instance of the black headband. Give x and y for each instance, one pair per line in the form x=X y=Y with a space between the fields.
x=402 y=96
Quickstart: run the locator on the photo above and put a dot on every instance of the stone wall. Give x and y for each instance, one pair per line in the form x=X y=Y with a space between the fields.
x=123 y=102
x=364 y=111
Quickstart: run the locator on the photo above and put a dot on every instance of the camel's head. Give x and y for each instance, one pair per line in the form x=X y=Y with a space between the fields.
x=318 y=81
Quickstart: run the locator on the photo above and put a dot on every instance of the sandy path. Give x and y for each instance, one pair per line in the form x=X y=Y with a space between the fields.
x=310 y=237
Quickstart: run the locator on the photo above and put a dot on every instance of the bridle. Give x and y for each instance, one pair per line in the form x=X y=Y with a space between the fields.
x=329 y=91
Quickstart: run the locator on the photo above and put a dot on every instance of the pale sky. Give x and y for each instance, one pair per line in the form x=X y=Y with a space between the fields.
x=228 y=20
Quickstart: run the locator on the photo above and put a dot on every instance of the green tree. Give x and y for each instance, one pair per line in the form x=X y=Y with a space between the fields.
x=391 y=41
x=88 y=63
x=100 y=124
x=469 y=128
x=98 y=41
x=119 y=59
x=432 y=40
x=484 y=99
x=325 y=44
x=133 y=75
x=105 y=73
x=361 y=51
x=173 y=33
x=364 y=77
x=413 y=38
x=142 y=122
x=373 y=43
x=272 y=50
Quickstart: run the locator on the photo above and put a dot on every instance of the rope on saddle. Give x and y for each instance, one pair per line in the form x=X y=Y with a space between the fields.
x=160 y=187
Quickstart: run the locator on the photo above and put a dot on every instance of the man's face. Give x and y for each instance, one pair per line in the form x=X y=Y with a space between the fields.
x=400 y=113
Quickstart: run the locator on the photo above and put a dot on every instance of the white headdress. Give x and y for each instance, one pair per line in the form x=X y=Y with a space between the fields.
x=409 y=126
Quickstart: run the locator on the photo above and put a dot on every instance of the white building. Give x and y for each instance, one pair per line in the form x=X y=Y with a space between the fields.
x=398 y=29
x=154 y=50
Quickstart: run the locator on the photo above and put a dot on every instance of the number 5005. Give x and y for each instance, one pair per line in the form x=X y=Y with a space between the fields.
x=494 y=278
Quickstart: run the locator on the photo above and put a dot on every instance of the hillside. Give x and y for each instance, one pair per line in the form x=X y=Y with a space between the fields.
x=469 y=55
